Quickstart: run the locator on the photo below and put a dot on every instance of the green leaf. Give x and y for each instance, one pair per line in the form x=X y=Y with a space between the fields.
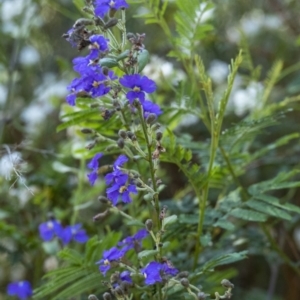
x=276 y=183
x=83 y=116
x=169 y=220
x=225 y=224
x=147 y=253
x=222 y=260
x=268 y=209
x=189 y=219
x=276 y=202
x=248 y=215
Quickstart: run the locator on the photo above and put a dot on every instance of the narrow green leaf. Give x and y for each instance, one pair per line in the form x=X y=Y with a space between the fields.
x=248 y=215
x=268 y=209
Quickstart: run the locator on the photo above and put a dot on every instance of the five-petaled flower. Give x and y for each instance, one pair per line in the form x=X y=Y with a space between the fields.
x=49 y=230
x=109 y=256
x=139 y=85
x=21 y=289
x=103 y=6
x=155 y=271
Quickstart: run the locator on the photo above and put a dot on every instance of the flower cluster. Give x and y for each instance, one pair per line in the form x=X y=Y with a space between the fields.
x=21 y=289
x=116 y=253
x=120 y=186
x=94 y=81
x=155 y=272
x=52 y=228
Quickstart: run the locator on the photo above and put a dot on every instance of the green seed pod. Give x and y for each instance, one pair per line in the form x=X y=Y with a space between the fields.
x=143 y=59
x=123 y=55
x=108 y=62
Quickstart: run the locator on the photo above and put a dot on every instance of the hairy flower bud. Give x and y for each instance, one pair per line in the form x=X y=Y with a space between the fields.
x=183 y=274
x=149 y=224
x=100 y=216
x=122 y=134
x=201 y=296
x=151 y=118
x=227 y=284
x=130 y=35
x=159 y=135
x=86 y=131
x=111 y=23
x=118 y=291
x=106 y=296
x=120 y=143
x=92 y=297
x=185 y=282
x=103 y=200
x=83 y=22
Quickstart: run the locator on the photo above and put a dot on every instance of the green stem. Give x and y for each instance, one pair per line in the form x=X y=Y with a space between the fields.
x=151 y=166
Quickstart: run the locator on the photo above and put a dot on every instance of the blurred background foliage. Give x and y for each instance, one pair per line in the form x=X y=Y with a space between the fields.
x=43 y=172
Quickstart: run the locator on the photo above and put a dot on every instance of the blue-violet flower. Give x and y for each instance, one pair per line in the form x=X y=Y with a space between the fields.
x=103 y=6
x=21 y=289
x=113 y=254
x=138 y=85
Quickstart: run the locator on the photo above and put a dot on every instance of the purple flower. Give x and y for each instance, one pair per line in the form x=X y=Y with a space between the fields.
x=94 y=165
x=120 y=192
x=113 y=254
x=73 y=232
x=154 y=271
x=117 y=176
x=49 y=229
x=21 y=289
x=120 y=161
x=133 y=241
x=138 y=85
x=99 y=44
x=103 y=6
x=151 y=108
x=125 y=276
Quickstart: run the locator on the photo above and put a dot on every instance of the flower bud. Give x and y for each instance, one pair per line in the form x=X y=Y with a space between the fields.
x=86 y=131
x=92 y=297
x=155 y=126
x=185 y=282
x=111 y=23
x=103 y=200
x=106 y=296
x=83 y=22
x=159 y=135
x=149 y=224
x=130 y=134
x=118 y=291
x=201 y=296
x=105 y=69
x=100 y=216
x=227 y=284
x=183 y=274
x=130 y=35
x=120 y=143
x=122 y=134
x=91 y=145
x=151 y=118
